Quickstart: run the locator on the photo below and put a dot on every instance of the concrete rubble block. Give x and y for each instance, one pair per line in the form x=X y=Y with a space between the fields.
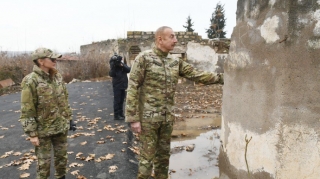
x=129 y=33
x=6 y=83
x=189 y=33
x=149 y=33
x=137 y=36
x=145 y=36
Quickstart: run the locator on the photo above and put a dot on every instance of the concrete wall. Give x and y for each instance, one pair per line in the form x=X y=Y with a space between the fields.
x=271 y=92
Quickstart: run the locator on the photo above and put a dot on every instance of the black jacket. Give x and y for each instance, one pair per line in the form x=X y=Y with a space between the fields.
x=119 y=76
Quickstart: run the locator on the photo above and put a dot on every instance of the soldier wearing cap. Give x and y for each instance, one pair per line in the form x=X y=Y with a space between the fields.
x=150 y=100
x=46 y=115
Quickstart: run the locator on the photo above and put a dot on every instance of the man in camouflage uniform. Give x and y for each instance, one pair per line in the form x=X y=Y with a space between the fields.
x=150 y=100
x=46 y=113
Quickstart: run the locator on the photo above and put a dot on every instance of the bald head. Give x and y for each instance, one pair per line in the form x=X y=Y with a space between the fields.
x=165 y=38
x=160 y=31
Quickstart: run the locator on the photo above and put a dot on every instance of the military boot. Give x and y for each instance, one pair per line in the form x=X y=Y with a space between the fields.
x=122 y=115
x=118 y=117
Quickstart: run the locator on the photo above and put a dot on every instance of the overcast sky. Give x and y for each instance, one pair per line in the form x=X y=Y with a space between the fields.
x=64 y=25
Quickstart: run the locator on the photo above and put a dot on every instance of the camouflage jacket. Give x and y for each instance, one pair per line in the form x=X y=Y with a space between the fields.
x=45 y=109
x=152 y=84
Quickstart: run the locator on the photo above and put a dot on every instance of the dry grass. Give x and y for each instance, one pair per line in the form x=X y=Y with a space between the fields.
x=87 y=67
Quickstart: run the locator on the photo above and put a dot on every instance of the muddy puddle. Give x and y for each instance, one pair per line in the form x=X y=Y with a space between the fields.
x=196 y=135
x=195 y=148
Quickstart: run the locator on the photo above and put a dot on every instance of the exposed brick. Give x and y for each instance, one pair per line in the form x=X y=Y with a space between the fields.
x=137 y=32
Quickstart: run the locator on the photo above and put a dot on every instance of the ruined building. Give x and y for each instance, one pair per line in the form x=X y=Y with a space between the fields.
x=202 y=53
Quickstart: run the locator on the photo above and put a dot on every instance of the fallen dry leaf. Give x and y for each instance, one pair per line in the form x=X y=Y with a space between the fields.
x=76 y=172
x=24 y=166
x=25 y=175
x=113 y=169
x=101 y=142
x=17 y=153
x=73 y=165
x=83 y=143
x=9 y=153
x=1 y=136
x=107 y=157
x=4 y=156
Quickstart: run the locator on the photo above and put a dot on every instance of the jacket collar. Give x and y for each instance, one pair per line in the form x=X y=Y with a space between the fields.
x=44 y=74
x=159 y=52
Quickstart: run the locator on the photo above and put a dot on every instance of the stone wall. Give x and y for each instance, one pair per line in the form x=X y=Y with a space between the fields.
x=271 y=93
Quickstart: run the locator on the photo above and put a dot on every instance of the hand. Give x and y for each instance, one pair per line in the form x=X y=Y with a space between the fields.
x=72 y=126
x=136 y=127
x=35 y=141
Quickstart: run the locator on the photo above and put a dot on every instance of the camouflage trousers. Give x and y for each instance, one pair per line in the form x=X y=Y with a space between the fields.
x=155 y=138
x=43 y=152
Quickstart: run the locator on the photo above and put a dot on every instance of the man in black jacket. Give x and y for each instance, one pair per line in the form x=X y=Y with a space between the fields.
x=118 y=72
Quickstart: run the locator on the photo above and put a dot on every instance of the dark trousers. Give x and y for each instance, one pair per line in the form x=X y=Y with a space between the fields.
x=118 y=100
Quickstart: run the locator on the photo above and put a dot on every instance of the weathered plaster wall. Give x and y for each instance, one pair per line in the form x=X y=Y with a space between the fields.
x=271 y=91
x=96 y=49
x=205 y=58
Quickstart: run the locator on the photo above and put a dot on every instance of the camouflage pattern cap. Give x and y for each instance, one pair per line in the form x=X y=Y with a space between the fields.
x=43 y=53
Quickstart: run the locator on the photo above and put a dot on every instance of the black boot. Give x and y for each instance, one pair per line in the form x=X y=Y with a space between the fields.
x=64 y=177
x=122 y=115
x=118 y=117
